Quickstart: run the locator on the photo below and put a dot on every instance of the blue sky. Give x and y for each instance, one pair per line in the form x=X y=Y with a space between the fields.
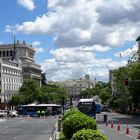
x=73 y=37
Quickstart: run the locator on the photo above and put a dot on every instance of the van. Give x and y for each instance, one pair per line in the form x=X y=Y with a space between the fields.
x=3 y=113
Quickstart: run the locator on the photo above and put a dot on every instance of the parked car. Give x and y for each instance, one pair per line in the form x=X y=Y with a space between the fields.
x=3 y=113
x=13 y=113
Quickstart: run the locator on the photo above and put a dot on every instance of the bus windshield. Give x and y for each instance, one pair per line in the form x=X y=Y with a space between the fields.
x=85 y=108
x=89 y=107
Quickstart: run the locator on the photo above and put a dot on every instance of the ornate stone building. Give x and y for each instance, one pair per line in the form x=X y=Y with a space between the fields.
x=16 y=64
x=74 y=87
x=10 y=79
x=24 y=52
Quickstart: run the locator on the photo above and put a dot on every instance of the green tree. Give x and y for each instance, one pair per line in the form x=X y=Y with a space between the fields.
x=29 y=89
x=134 y=84
x=120 y=75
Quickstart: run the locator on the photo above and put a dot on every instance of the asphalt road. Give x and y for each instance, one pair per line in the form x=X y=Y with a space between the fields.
x=27 y=128
x=126 y=124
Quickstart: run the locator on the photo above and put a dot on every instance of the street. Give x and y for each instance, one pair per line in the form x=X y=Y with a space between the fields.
x=118 y=125
x=26 y=128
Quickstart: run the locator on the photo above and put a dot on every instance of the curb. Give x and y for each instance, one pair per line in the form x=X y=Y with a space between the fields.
x=57 y=136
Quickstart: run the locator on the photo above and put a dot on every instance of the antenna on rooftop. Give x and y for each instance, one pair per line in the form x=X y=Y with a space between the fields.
x=14 y=49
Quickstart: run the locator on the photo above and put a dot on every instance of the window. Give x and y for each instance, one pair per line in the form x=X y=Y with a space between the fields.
x=3 y=53
x=7 y=53
x=11 y=53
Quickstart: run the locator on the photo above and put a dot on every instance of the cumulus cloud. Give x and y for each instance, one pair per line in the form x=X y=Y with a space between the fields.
x=39 y=50
x=86 y=22
x=35 y=44
x=94 y=48
x=81 y=29
x=28 y=4
x=109 y=11
x=67 y=63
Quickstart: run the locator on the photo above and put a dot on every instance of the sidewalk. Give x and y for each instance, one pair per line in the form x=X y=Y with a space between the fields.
x=119 y=126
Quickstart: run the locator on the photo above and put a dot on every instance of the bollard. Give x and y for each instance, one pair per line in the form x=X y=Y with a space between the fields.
x=112 y=125
x=127 y=130
x=59 y=124
x=138 y=137
x=119 y=127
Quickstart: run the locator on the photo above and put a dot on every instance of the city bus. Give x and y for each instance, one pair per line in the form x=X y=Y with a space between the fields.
x=31 y=109
x=89 y=107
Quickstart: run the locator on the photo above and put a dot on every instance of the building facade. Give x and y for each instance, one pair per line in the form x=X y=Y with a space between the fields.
x=75 y=86
x=26 y=53
x=10 y=79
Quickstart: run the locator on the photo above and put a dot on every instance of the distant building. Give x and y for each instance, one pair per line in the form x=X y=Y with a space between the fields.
x=24 y=52
x=113 y=83
x=10 y=79
x=75 y=86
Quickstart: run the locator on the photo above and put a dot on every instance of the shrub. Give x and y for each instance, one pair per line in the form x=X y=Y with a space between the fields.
x=76 y=122
x=70 y=112
x=88 y=134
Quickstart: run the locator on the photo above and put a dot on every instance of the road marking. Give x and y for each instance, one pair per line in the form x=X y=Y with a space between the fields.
x=101 y=130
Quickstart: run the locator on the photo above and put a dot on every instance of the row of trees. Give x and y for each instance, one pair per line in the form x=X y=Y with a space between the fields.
x=102 y=90
x=128 y=97
x=31 y=92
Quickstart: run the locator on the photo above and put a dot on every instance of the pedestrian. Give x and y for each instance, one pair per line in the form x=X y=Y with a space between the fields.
x=8 y=113
x=105 y=117
x=38 y=113
x=43 y=113
x=46 y=112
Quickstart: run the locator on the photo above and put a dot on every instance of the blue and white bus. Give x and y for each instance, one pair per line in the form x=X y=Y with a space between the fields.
x=31 y=109
x=89 y=107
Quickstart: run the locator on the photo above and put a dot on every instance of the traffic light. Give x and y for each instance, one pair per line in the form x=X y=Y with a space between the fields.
x=126 y=82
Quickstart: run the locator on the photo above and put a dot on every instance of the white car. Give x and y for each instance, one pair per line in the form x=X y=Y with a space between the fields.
x=13 y=113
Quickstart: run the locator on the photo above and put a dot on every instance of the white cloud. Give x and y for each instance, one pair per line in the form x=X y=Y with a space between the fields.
x=28 y=4
x=97 y=48
x=67 y=63
x=39 y=50
x=35 y=44
x=41 y=25
x=81 y=29
x=127 y=52
x=86 y=22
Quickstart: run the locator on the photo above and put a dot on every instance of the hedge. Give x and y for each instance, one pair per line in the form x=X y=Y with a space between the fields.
x=76 y=122
x=70 y=112
x=88 y=134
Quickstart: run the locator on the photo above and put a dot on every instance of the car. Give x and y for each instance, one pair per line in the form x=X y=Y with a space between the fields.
x=3 y=113
x=13 y=113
